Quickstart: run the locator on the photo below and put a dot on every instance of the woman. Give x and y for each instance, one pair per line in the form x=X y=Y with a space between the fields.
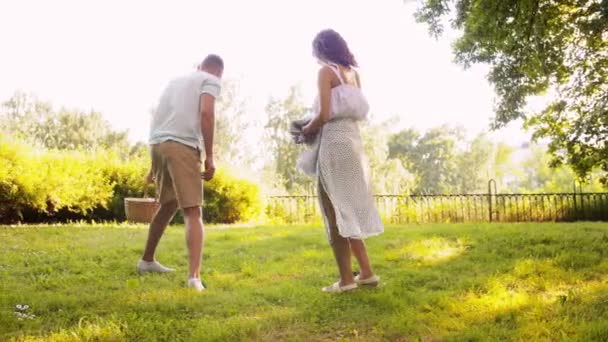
x=345 y=193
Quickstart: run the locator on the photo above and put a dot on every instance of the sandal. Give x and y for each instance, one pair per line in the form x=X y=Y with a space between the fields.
x=336 y=288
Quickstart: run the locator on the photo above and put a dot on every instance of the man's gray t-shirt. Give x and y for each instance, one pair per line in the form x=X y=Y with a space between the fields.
x=177 y=117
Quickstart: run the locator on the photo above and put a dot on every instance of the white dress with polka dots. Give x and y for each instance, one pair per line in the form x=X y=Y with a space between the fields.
x=342 y=166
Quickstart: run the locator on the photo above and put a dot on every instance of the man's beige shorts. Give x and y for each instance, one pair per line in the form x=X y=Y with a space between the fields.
x=177 y=174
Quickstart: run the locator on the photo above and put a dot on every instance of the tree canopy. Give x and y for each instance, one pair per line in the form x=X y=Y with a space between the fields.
x=26 y=117
x=540 y=47
x=280 y=113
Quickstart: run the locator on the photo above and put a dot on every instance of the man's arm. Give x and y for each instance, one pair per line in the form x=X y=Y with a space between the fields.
x=207 y=106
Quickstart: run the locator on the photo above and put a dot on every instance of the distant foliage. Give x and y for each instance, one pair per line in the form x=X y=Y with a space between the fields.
x=280 y=146
x=28 y=118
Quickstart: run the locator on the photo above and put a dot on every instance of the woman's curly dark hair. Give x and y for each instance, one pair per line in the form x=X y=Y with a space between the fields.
x=329 y=46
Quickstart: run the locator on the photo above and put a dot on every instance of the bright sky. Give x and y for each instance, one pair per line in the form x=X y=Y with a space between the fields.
x=116 y=56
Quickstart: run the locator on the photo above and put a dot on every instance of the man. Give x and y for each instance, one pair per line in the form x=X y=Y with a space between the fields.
x=184 y=117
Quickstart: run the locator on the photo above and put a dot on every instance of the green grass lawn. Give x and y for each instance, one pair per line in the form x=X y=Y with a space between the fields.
x=439 y=282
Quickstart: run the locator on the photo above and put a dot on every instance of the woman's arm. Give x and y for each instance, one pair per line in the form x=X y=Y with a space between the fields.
x=324 y=85
x=149 y=177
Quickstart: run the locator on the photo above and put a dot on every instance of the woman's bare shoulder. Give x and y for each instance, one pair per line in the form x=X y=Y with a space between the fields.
x=325 y=70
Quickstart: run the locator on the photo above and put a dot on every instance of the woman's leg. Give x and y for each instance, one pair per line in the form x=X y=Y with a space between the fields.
x=339 y=244
x=358 y=248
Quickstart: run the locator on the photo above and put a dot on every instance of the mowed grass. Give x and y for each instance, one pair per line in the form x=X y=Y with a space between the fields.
x=462 y=282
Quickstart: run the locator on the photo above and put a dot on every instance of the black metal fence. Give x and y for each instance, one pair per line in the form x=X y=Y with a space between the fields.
x=489 y=207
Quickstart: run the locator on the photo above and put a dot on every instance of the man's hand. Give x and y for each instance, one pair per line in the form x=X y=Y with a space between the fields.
x=209 y=169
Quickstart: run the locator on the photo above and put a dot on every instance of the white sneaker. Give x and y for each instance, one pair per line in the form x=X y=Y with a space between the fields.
x=152 y=266
x=371 y=281
x=195 y=283
x=336 y=288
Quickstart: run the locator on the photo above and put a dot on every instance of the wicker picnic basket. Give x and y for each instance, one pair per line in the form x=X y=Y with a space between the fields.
x=141 y=210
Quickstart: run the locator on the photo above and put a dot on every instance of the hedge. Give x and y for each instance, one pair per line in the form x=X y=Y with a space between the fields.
x=38 y=185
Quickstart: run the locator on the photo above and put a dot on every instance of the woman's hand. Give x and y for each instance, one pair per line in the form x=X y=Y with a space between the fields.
x=309 y=129
x=149 y=177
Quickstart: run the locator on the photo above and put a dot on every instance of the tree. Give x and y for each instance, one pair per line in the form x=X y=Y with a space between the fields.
x=391 y=177
x=432 y=157
x=140 y=150
x=535 y=175
x=23 y=115
x=535 y=46
x=474 y=165
x=231 y=127
x=284 y=153
x=402 y=145
x=388 y=175
x=375 y=144
x=502 y=160
x=26 y=117
x=73 y=129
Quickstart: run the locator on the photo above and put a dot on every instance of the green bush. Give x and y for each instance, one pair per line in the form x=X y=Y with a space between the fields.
x=228 y=199
x=127 y=180
x=276 y=213
x=37 y=185
x=17 y=186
